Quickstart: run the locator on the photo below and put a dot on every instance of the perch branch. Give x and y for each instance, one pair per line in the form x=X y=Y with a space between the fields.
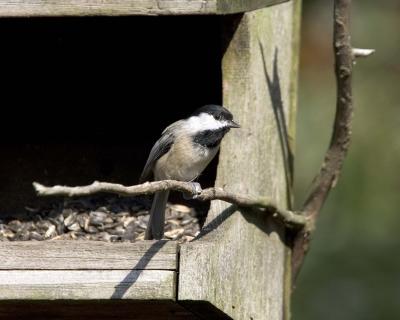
x=330 y=170
x=289 y=218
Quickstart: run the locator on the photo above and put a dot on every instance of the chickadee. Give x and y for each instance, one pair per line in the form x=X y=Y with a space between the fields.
x=184 y=150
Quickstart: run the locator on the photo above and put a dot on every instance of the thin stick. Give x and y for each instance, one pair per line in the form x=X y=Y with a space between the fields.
x=290 y=218
x=362 y=53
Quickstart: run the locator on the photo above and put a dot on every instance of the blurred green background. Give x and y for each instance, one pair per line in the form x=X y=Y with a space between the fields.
x=353 y=268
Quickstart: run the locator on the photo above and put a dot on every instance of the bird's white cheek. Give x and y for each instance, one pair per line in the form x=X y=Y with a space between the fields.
x=203 y=122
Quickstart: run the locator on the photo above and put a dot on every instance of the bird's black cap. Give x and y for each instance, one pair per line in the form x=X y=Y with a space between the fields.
x=218 y=112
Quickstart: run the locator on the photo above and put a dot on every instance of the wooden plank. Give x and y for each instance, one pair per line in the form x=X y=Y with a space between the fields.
x=88 y=255
x=29 y=8
x=238 y=6
x=239 y=262
x=87 y=284
x=93 y=309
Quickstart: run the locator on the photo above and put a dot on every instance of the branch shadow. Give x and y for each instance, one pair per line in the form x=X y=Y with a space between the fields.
x=258 y=218
x=275 y=92
x=216 y=222
x=133 y=275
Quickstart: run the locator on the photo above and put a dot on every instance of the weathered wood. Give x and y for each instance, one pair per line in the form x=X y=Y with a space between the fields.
x=93 y=309
x=237 y=6
x=87 y=270
x=239 y=267
x=87 y=284
x=88 y=255
x=28 y=8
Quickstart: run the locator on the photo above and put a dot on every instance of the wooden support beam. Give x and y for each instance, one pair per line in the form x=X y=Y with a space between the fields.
x=88 y=270
x=239 y=263
x=93 y=309
x=30 y=8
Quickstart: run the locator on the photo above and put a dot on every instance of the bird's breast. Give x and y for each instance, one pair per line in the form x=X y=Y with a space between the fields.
x=185 y=161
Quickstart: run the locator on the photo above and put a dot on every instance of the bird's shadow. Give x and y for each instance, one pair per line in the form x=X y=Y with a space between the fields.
x=275 y=92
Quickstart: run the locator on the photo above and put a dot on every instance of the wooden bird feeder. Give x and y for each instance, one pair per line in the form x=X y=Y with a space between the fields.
x=128 y=69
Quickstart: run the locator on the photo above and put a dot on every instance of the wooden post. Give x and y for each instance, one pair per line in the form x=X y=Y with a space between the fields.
x=240 y=263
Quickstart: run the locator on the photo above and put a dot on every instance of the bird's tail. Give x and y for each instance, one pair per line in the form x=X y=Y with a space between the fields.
x=155 y=226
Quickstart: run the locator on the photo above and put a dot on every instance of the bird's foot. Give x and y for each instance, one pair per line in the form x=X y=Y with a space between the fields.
x=196 y=190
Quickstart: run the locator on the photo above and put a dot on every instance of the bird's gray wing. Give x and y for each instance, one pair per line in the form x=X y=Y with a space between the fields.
x=160 y=148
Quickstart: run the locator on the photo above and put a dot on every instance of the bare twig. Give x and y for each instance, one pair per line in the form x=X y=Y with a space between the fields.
x=362 y=53
x=290 y=218
x=340 y=140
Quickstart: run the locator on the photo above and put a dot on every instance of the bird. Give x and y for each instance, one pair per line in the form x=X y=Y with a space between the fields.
x=183 y=151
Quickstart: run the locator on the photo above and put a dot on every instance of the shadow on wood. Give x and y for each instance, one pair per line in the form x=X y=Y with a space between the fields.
x=275 y=92
x=133 y=275
x=92 y=309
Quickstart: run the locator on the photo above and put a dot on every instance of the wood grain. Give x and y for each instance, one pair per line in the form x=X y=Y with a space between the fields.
x=86 y=284
x=239 y=262
x=29 y=8
x=88 y=255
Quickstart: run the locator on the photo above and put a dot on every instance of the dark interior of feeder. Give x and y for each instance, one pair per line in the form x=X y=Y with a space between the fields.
x=85 y=99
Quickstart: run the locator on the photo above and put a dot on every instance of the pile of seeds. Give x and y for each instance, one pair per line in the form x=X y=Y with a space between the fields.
x=105 y=219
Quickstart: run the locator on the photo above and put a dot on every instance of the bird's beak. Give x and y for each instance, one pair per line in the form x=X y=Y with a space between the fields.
x=233 y=124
